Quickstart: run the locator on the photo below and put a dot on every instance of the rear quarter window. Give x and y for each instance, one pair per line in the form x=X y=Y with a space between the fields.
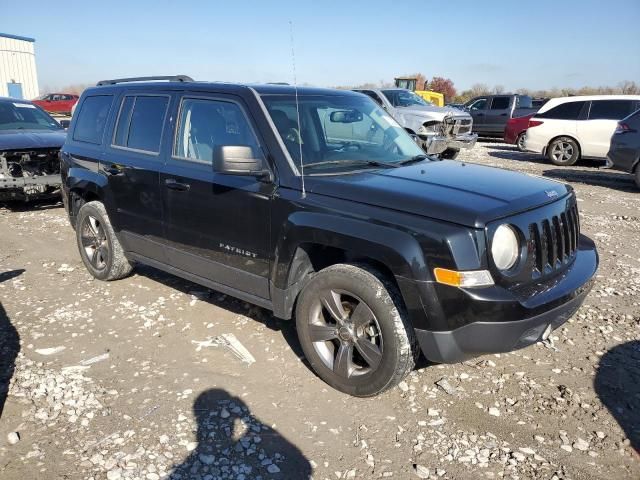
x=92 y=119
x=564 y=111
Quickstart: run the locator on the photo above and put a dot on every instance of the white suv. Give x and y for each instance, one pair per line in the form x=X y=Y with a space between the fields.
x=568 y=128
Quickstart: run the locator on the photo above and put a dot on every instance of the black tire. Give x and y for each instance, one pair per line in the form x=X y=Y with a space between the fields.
x=450 y=154
x=520 y=142
x=563 y=151
x=637 y=176
x=99 y=247
x=374 y=338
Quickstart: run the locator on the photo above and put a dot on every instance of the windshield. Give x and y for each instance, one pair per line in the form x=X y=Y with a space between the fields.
x=405 y=98
x=25 y=116
x=338 y=132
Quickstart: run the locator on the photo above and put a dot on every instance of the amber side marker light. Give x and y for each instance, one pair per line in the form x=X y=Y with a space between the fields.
x=474 y=278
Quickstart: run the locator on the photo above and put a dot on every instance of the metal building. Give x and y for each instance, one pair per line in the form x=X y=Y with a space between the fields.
x=18 y=75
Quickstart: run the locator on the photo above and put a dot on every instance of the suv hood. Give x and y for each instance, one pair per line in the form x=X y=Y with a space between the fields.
x=463 y=193
x=433 y=111
x=29 y=139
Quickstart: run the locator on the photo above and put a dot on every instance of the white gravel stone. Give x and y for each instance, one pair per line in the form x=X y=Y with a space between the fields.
x=13 y=438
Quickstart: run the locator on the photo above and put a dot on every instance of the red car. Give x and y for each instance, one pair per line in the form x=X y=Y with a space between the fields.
x=57 y=102
x=515 y=130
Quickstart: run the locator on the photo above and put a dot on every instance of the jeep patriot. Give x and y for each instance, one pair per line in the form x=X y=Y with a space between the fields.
x=315 y=204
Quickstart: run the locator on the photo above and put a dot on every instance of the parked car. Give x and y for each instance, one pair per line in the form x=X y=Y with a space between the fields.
x=30 y=142
x=57 y=102
x=441 y=131
x=624 y=152
x=315 y=204
x=537 y=103
x=568 y=128
x=491 y=112
x=515 y=130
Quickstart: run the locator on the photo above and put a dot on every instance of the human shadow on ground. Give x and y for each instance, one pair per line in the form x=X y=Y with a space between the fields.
x=617 y=384
x=233 y=443
x=9 y=344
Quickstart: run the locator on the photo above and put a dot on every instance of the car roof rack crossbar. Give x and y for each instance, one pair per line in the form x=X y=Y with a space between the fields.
x=171 y=78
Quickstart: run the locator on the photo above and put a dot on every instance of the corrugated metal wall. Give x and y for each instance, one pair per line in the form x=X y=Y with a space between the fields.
x=18 y=65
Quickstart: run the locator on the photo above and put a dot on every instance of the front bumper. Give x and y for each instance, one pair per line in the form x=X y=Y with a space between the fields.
x=29 y=188
x=507 y=322
x=436 y=144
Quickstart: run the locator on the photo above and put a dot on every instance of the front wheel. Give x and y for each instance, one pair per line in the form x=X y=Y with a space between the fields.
x=99 y=247
x=520 y=142
x=563 y=151
x=354 y=331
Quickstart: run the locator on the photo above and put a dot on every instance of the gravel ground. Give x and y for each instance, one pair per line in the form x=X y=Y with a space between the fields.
x=154 y=377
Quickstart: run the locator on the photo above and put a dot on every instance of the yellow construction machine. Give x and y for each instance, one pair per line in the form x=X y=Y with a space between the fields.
x=409 y=83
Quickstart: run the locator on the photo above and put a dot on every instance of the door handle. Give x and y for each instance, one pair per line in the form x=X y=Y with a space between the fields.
x=480 y=114
x=175 y=185
x=503 y=114
x=113 y=169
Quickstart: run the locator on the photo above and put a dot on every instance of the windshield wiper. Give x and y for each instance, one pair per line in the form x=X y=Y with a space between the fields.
x=373 y=163
x=414 y=159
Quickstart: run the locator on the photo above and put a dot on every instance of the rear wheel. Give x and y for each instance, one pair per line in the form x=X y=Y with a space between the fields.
x=100 y=250
x=354 y=331
x=563 y=151
x=520 y=142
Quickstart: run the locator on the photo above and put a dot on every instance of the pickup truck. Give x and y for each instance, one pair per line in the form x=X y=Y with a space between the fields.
x=492 y=112
x=317 y=205
x=441 y=131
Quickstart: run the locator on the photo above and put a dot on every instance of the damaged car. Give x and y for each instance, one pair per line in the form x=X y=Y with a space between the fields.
x=30 y=142
x=440 y=131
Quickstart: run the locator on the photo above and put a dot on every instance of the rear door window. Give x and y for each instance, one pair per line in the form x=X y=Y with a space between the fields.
x=92 y=119
x=500 y=103
x=140 y=122
x=564 y=111
x=610 y=109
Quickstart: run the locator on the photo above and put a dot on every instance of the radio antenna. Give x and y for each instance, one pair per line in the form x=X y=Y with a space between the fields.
x=295 y=87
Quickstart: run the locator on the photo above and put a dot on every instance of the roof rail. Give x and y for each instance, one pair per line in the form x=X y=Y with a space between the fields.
x=171 y=78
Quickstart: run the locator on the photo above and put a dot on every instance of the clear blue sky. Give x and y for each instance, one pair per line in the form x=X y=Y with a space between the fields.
x=534 y=44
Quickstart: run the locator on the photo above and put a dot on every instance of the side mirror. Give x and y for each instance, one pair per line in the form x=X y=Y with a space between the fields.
x=65 y=123
x=238 y=160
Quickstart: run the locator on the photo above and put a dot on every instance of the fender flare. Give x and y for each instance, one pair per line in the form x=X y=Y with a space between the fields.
x=399 y=251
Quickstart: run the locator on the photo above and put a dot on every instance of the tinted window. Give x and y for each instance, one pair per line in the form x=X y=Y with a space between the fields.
x=140 y=122
x=564 y=111
x=479 y=104
x=610 y=109
x=92 y=119
x=525 y=101
x=205 y=124
x=124 y=117
x=500 y=103
x=373 y=96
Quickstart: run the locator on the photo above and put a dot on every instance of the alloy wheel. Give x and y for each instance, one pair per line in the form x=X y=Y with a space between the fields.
x=562 y=151
x=94 y=242
x=345 y=333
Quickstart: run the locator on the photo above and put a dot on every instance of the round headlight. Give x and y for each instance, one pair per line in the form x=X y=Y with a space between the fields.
x=504 y=247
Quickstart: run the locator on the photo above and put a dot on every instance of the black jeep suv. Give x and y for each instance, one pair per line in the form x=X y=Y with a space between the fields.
x=316 y=204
